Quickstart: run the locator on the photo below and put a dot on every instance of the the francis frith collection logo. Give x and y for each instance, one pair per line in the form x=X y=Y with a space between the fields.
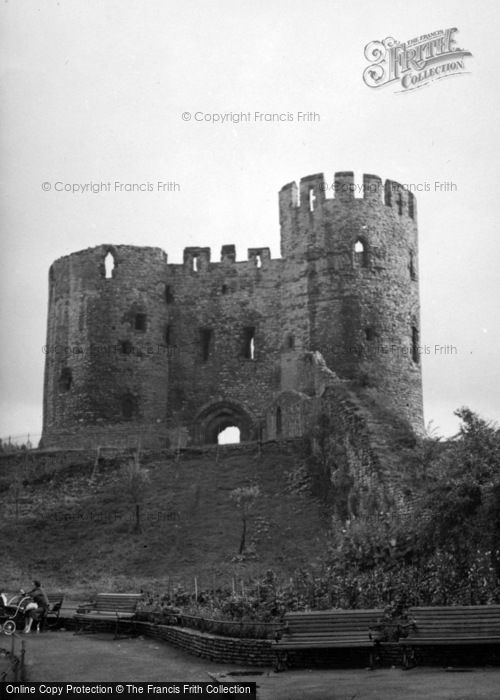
x=414 y=63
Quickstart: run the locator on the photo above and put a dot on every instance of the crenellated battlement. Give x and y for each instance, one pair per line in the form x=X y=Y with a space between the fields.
x=314 y=190
x=197 y=259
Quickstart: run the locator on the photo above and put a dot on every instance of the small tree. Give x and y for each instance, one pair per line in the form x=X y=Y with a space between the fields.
x=136 y=479
x=17 y=484
x=245 y=498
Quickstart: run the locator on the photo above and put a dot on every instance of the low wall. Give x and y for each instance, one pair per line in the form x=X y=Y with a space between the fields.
x=229 y=650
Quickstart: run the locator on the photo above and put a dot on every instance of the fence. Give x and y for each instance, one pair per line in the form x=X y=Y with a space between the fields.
x=16 y=443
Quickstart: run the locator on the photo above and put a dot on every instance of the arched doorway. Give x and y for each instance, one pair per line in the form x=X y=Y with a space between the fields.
x=214 y=419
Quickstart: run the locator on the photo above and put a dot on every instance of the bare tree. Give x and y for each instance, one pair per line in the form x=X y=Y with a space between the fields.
x=245 y=498
x=136 y=480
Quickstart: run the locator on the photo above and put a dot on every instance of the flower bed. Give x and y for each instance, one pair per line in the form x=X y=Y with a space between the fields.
x=225 y=628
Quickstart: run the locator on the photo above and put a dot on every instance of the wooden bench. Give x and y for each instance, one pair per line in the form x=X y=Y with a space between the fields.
x=108 y=607
x=326 y=629
x=450 y=626
x=51 y=617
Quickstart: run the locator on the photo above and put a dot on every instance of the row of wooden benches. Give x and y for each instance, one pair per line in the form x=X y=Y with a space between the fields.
x=423 y=626
x=332 y=629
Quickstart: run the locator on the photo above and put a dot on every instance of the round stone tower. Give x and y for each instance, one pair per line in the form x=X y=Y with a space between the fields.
x=106 y=365
x=351 y=280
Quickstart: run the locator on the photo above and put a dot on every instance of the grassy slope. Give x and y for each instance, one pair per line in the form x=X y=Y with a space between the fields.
x=80 y=538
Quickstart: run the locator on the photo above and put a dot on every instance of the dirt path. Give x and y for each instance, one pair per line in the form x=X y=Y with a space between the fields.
x=64 y=656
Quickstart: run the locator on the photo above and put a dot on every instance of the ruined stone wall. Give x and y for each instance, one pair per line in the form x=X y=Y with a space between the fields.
x=163 y=353
x=106 y=362
x=359 y=437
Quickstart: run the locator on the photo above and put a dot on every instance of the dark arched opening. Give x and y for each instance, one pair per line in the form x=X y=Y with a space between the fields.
x=214 y=419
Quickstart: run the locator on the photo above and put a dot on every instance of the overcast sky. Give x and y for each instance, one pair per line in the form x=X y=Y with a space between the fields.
x=94 y=92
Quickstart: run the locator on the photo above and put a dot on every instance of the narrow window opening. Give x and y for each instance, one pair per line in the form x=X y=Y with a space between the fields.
x=140 y=322
x=279 y=422
x=414 y=345
x=169 y=295
x=290 y=342
x=109 y=265
x=312 y=199
x=229 y=435
x=249 y=344
x=195 y=263
x=224 y=289
x=258 y=261
x=65 y=379
x=126 y=347
x=205 y=337
x=413 y=272
x=360 y=254
x=168 y=334
x=369 y=333
x=400 y=204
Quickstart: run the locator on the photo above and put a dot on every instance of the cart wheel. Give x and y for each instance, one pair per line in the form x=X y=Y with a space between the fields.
x=9 y=627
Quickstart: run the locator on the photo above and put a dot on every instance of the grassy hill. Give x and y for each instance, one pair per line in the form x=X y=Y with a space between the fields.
x=77 y=532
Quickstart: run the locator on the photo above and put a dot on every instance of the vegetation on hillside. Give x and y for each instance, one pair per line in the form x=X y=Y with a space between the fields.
x=444 y=549
x=250 y=536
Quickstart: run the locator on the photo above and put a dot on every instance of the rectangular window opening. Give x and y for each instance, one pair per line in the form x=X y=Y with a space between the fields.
x=140 y=322
x=312 y=199
x=169 y=295
x=205 y=338
x=168 y=335
x=126 y=347
x=413 y=272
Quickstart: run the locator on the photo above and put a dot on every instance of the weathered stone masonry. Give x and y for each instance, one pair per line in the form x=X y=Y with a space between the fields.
x=173 y=353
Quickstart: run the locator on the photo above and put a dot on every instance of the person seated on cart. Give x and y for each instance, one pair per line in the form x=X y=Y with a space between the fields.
x=36 y=611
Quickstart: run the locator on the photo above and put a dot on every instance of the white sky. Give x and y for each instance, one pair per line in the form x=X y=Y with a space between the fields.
x=94 y=91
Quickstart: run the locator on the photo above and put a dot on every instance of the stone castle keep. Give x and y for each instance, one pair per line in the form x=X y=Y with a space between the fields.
x=171 y=354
